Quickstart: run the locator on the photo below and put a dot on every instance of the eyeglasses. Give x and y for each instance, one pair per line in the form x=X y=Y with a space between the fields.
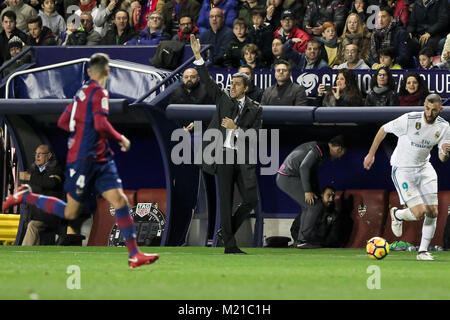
x=155 y=18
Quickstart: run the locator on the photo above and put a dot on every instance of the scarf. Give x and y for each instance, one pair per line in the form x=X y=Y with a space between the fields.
x=88 y=7
x=380 y=90
x=410 y=99
x=182 y=37
x=329 y=43
x=382 y=39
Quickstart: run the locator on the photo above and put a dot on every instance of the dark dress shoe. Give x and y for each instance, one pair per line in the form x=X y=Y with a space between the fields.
x=234 y=250
x=219 y=236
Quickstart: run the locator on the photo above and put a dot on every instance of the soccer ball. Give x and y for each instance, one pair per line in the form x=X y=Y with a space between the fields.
x=377 y=248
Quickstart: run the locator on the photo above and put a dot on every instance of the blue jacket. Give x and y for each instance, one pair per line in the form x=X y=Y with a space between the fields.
x=219 y=42
x=299 y=59
x=228 y=6
x=147 y=38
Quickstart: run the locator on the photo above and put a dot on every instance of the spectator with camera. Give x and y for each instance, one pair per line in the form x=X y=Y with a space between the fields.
x=344 y=93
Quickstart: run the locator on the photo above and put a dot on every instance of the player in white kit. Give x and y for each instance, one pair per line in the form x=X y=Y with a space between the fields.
x=413 y=175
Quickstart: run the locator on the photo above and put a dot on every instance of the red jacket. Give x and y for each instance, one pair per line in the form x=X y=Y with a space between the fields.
x=401 y=12
x=296 y=33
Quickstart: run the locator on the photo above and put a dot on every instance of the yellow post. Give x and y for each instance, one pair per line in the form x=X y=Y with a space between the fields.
x=9 y=224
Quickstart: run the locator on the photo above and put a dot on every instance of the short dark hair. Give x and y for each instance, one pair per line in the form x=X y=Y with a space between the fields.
x=121 y=10
x=427 y=51
x=35 y=19
x=282 y=61
x=186 y=16
x=243 y=76
x=387 y=9
x=433 y=98
x=391 y=80
x=239 y=21
x=313 y=41
x=41 y=2
x=283 y=40
x=388 y=52
x=338 y=141
x=328 y=187
x=99 y=62
x=246 y=66
x=259 y=12
x=10 y=14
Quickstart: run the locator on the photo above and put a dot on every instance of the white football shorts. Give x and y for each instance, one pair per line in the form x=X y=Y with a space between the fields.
x=416 y=185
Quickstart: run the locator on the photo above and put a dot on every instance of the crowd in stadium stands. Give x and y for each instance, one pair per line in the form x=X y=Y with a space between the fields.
x=303 y=34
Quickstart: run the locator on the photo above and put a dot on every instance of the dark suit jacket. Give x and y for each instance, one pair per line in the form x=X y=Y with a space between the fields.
x=250 y=118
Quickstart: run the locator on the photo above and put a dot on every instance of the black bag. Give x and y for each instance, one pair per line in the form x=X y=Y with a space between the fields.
x=168 y=54
x=77 y=38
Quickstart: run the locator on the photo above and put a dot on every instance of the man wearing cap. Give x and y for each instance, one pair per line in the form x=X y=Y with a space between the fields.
x=9 y=31
x=289 y=30
x=15 y=46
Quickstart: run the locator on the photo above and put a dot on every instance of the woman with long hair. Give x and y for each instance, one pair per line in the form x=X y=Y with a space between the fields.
x=344 y=93
x=382 y=89
x=413 y=90
x=355 y=32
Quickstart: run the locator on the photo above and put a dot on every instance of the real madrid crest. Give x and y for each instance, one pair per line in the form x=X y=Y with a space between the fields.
x=418 y=125
x=362 y=209
x=437 y=134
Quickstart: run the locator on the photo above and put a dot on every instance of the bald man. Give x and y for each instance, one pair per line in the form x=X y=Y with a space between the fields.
x=218 y=36
x=190 y=92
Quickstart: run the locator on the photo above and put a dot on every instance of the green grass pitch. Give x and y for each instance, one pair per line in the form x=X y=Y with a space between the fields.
x=198 y=273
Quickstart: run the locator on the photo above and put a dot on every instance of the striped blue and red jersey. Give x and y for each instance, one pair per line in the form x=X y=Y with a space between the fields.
x=85 y=118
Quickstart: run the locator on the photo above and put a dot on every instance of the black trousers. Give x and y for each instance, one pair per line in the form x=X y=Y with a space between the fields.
x=292 y=186
x=227 y=176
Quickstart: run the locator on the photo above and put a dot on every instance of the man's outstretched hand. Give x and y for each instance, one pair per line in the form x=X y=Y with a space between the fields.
x=195 y=45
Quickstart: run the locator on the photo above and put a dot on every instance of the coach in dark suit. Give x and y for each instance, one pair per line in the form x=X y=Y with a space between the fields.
x=235 y=115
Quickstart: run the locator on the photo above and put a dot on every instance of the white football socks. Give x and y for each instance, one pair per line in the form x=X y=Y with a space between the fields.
x=428 y=229
x=405 y=214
